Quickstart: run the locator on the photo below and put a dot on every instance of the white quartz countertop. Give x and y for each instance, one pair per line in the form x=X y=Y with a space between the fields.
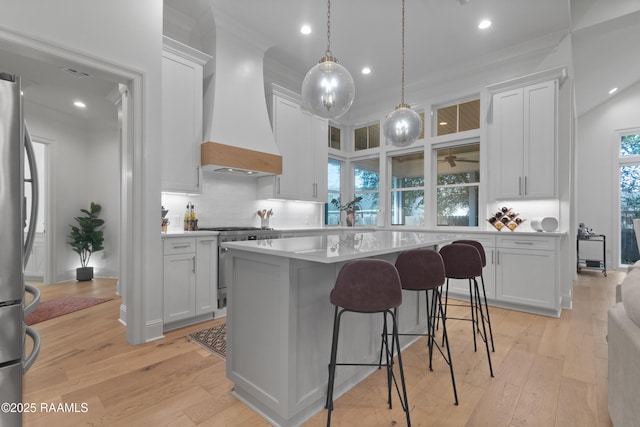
x=342 y=246
x=181 y=233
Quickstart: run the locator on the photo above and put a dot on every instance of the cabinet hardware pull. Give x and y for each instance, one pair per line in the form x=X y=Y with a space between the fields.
x=525 y=185
x=523 y=243
x=180 y=246
x=278 y=185
x=492 y=256
x=497 y=257
x=519 y=186
x=194 y=264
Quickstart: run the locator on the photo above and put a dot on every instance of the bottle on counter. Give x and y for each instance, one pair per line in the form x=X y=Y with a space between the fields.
x=187 y=217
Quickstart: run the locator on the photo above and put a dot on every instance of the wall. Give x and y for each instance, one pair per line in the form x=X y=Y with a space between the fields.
x=119 y=35
x=596 y=192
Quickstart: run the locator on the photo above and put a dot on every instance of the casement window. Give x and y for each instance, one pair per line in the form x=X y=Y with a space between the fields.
x=334 y=187
x=366 y=179
x=629 y=193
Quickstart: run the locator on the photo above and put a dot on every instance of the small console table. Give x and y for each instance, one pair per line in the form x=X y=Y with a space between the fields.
x=593 y=264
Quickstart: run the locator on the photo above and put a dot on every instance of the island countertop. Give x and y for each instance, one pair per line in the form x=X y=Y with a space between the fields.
x=344 y=245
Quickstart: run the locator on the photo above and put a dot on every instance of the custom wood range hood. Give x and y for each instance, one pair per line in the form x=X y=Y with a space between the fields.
x=237 y=137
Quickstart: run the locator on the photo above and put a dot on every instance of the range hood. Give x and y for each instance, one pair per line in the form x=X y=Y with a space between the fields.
x=237 y=132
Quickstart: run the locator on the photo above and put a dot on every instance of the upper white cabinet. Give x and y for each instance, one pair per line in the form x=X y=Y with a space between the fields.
x=181 y=116
x=302 y=140
x=522 y=142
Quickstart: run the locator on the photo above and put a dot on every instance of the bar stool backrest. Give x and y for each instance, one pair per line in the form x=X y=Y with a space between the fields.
x=367 y=285
x=478 y=246
x=461 y=261
x=420 y=269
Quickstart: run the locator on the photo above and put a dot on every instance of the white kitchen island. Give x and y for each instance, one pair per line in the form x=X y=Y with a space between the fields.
x=279 y=318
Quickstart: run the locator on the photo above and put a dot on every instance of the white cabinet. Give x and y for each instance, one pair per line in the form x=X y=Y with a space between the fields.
x=522 y=272
x=206 y=275
x=527 y=271
x=190 y=275
x=302 y=140
x=461 y=286
x=522 y=142
x=181 y=116
x=179 y=277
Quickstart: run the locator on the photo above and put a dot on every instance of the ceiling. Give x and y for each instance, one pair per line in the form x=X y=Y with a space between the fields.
x=441 y=39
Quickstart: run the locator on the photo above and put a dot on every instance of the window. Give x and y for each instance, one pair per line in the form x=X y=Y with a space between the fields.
x=334 y=137
x=367 y=137
x=457 y=184
x=332 y=213
x=629 y=192
x=407 y=190
x=457 y=118
x=366 y=178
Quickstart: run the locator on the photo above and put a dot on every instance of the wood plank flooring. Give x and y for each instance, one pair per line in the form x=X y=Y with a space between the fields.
x=548 y=372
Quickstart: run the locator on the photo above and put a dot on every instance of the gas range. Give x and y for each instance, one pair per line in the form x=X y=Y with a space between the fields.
x=233 y=234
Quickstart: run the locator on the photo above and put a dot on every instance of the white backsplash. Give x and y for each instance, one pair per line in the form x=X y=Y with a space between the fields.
x=231 y=200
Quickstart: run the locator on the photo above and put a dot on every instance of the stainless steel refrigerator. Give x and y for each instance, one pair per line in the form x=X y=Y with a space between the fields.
x=15 y=246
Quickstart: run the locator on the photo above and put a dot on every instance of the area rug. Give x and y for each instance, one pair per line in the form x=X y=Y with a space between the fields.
x=213 y=339
x=60 y=306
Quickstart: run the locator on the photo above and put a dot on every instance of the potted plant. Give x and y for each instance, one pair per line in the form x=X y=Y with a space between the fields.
x=350 y=208
x=87 y=238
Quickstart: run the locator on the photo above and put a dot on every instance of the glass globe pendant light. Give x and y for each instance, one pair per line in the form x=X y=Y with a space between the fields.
x=402 y=126
x=328 y=88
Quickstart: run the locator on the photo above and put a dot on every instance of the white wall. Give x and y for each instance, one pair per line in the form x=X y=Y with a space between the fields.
x=596 y=163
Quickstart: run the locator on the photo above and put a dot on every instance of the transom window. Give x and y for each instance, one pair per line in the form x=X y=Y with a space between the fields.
x=334 y=137
x=457 y=184
x=457 y=117
x=367 y=137
x=407 y=190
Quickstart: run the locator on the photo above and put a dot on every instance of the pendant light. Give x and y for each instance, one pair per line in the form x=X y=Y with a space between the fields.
x=403 y=125
x=328 y=89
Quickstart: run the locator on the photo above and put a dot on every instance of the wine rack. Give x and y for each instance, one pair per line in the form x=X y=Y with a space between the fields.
x=505 y=218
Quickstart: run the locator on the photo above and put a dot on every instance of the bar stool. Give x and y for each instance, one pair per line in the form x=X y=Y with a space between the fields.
x=423 y=270
x=368 y=286
x=483 y=256
x=463 y=261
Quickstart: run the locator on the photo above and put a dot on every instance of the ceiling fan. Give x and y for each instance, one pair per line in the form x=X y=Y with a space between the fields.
x=451 y=159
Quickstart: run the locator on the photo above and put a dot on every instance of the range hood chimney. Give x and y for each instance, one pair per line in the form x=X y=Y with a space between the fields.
x=237 y=131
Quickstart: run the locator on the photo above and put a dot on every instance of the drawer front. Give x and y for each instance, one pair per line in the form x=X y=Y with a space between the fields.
x=527 y=242
x=179 y=245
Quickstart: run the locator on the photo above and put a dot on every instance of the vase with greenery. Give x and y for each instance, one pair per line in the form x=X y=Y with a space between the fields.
x=350 y=208
x=86 y=238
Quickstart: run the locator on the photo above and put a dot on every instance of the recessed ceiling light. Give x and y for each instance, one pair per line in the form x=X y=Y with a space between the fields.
x=80 y=104
x=366 y=70
x=613 y=90
x=484 y=24
x=305 y=29
x=443 y=123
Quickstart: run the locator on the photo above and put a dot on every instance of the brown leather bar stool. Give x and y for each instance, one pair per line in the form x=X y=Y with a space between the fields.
x=423 y=270
x=463 y=261
x=483 y=256
x=368 y=286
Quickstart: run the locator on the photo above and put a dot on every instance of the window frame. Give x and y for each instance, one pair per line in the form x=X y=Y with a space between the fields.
x=479 y=185
x=619 y=162
x=389 y=190
x=344 y=167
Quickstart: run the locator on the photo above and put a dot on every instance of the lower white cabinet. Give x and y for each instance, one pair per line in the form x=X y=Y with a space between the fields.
x=527 y=270
x=190 y=275
x=522 y=272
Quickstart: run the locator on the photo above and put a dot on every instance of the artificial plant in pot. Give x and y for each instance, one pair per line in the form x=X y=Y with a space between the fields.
x=87 y=238
x=350 y=208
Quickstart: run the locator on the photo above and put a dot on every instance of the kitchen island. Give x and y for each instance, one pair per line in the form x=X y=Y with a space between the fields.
x=280 y=319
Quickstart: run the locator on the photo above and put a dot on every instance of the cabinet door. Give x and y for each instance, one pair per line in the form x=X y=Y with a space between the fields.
x=540 y=140
x=506 y=145
x=181 y=123
x=320 y=147
x=288 y=119
x=460 y=287
x=206 y=275
x=527 y=277
x=179 y=286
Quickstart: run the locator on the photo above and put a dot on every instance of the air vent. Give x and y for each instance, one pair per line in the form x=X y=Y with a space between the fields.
x=76 y=73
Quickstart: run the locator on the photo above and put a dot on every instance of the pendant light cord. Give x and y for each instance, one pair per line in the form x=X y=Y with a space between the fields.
x=329 y=28
x=402 y=95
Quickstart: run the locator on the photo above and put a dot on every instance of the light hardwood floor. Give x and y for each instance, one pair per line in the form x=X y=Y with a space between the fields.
x=548 y=372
